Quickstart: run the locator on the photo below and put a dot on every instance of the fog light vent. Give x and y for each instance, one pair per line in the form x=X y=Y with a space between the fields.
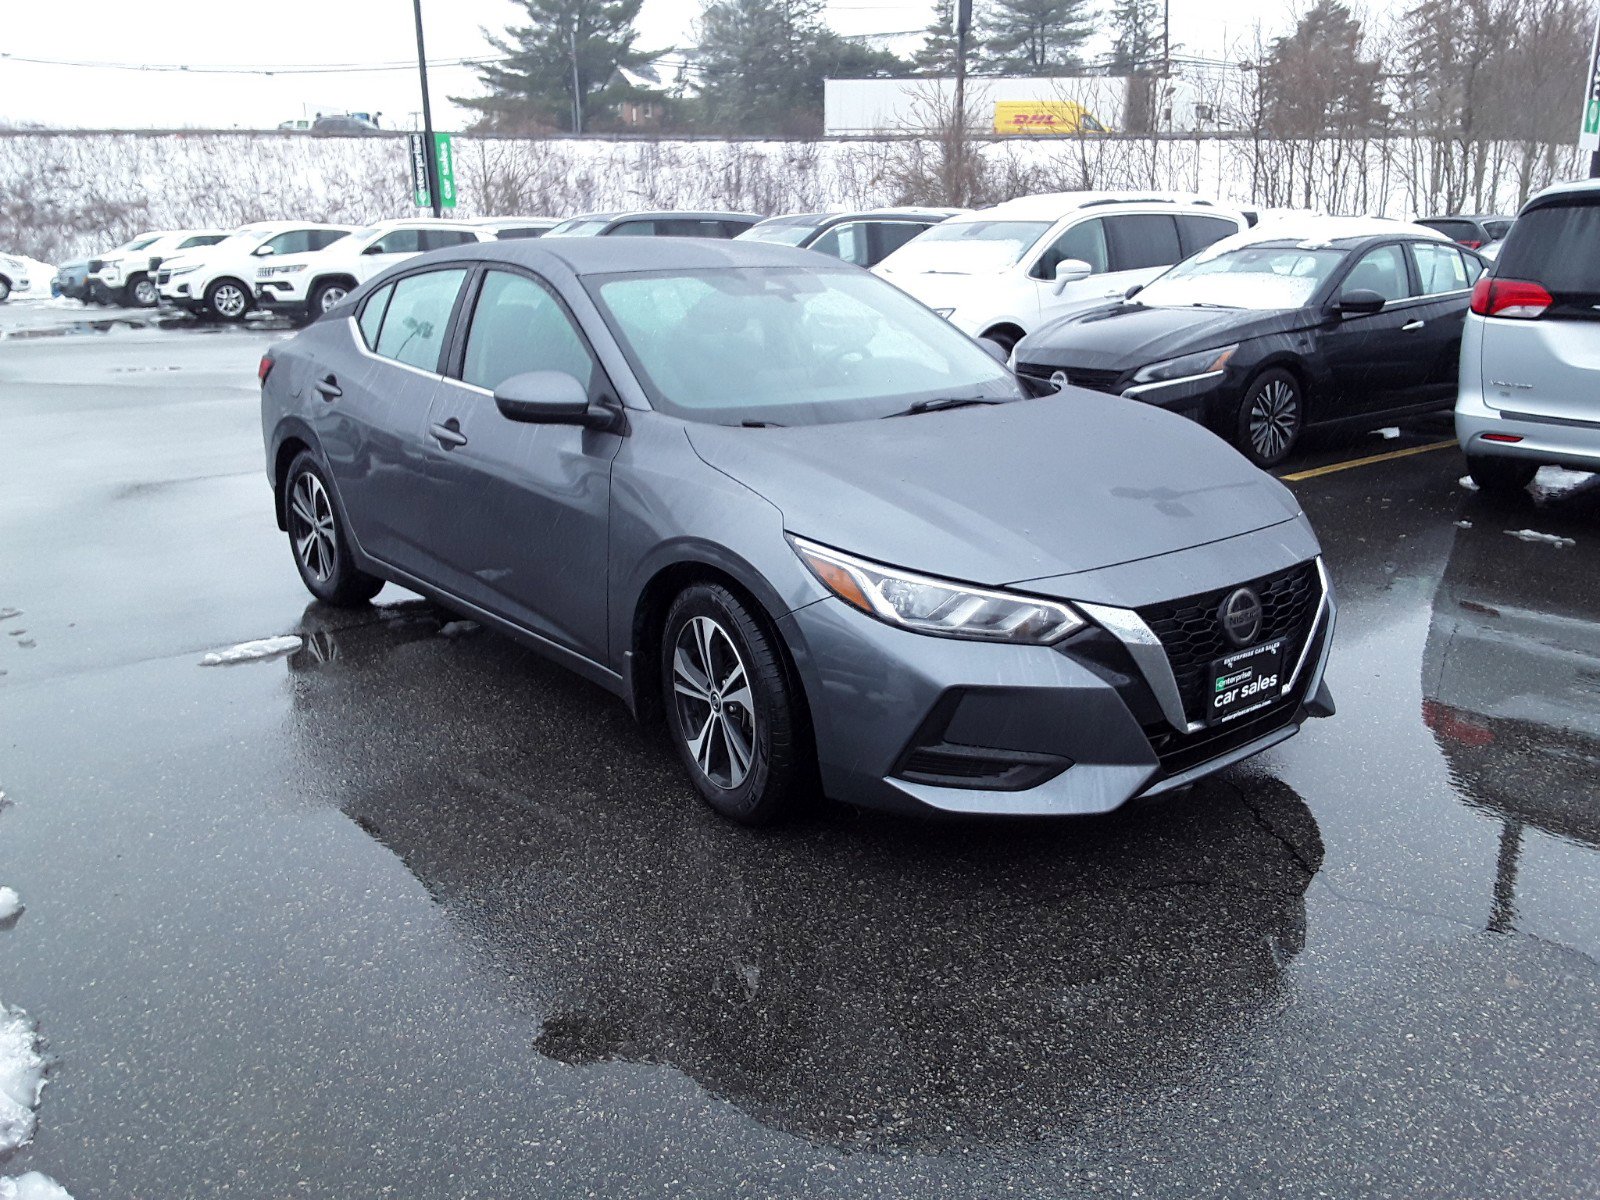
x=947 y=764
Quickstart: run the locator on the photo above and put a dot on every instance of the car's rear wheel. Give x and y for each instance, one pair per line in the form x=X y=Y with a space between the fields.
x=732 y=708
x=317 y=538
x=1271 y=417
x=227 y=300
x=327 y=295
x=1501 y=476
x=5 y=289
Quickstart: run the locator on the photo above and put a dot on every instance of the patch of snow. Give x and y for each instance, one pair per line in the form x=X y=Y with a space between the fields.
x=1466 y=482
x=1388 y=431
x=1549 y=539
x=1463 y=524
x=10 y=906
x=32 y=1186
x=1551 y=482
x=21 y=1078
x=271 y=647
x=458 y=629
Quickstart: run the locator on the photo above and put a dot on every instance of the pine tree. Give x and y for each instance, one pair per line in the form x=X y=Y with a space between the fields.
x=937 y=55
x=1136 y=36
x=1035 y=37
x=533 y=82
x=1317 y=81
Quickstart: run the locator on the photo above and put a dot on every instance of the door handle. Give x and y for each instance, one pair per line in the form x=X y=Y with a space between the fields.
x=1410 y=325
x=328 y=387
x=449 y=434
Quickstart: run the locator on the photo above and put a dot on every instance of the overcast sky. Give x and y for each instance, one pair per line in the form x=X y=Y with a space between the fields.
x=202 y=33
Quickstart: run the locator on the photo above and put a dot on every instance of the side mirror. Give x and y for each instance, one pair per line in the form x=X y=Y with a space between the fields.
x=997 y=350
x=263 y=251
x=375 y=248
x=1360 y=303
x=1070 y=270
x=1133 y=291
x=550 y=398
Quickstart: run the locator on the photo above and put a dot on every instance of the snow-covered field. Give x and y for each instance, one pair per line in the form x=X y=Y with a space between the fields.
x=85 y=191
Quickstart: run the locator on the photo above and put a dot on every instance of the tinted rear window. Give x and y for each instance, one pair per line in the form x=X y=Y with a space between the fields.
x=1140 y=240
x=1557 y=246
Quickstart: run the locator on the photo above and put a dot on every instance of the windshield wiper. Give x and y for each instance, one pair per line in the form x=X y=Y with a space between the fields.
x=760 y=425
x=924 y=406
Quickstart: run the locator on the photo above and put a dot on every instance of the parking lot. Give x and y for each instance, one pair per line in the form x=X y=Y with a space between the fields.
x=411 y=911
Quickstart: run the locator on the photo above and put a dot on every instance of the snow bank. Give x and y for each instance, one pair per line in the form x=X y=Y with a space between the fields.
x=1551 y=482
x=455 y=629
x=21 y=1078
x=1549 y=539
x=10 y=906
x=32 y=1186
x=253 y=651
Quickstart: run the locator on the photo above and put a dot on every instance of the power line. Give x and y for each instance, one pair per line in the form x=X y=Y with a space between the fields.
x=292 y=69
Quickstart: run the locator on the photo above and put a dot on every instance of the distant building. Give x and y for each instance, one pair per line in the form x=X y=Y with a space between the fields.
x=651 y=86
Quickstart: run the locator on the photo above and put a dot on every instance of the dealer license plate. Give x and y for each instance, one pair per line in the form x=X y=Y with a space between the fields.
x=1245 y=681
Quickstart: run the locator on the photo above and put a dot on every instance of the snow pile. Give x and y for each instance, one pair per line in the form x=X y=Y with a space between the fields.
x=10 y=906
x=1549 y=539
x=32 y=1186
x=1551 y=482
x=21 y=1078
x=253 y=651
x=1466 y=482
x=1388 y=432
x=455 y=629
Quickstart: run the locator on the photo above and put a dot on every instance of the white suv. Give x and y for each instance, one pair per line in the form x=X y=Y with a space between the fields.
x=1530 y=350
x=127 y=275
x=216 y=281
x=308 y=285
x=1002 y=272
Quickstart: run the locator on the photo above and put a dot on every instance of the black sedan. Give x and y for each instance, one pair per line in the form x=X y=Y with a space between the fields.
x=1264 y=334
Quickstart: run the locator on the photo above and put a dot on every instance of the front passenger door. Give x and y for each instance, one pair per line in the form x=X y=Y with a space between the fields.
x=1375 y=361
x=521 y=512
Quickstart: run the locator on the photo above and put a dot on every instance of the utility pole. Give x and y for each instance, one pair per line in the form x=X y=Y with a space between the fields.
x=430 y=149
x=958 y=159
x=577 y=97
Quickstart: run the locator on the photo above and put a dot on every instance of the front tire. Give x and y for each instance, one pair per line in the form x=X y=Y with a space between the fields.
x=1506 y=477
x=1271 y=418
x=141 y=293
x=5 y=289
x=736 y=720
x=326 y=296
x=318 y=540
x=228 y=300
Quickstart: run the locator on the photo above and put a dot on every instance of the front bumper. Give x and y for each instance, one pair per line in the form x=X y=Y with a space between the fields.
x=916 y=723
x=1210 y=399
x=280 y=295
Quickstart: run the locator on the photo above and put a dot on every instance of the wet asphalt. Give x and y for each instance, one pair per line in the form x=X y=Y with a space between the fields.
x=417 y=914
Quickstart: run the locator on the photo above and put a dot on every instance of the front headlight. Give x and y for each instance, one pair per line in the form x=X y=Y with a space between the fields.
x=935 y=607
x=285 y=269
x=1204 y=362
x=172 y=272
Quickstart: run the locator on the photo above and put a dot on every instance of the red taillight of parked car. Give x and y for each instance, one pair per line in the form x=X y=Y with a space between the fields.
x=264 y=368
x=1515 y=298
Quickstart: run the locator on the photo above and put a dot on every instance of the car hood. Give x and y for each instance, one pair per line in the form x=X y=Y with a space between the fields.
x=1127 y=335
x=1004 y=493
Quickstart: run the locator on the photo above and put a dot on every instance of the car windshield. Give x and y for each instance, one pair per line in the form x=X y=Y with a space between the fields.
x=780 y=233
x=143 y=242
x=789 y=345
x=967 y=247
x=580 y=227
x=1263 y=276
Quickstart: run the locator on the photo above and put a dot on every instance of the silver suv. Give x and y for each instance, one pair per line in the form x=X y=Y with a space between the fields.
x=1530 y=352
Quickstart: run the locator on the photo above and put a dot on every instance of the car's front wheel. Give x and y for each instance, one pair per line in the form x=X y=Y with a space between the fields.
x=227 y=300
x=732 y=709
x=5 y=290
x=141 y=293
x=328 y=295
x=1271 y=417
x=1501 y=476
x=317 y=538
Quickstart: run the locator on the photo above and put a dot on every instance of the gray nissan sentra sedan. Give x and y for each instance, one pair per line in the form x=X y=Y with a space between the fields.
x=819 y=532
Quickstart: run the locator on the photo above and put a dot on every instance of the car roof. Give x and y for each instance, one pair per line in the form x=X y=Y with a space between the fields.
x=1576 y=187
x=1471 y=217
x=603 y=256
x=498 y=222
x=900 y=212
x=636 y=213
x=1052 y=206
x=1334 y=229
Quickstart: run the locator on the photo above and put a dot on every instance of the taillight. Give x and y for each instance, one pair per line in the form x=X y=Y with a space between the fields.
x=264 y=368
x=1472 y=245
x=1515 y=298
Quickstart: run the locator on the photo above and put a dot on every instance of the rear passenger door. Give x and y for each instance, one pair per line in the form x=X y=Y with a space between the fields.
x=1445 y=275
x=371 y=413
x=521 y=512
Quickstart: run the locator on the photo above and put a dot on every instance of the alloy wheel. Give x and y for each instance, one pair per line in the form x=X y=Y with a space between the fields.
x=144 y=294
x=1274 y=418
x=716 y=708
x=229 y=300
x=332 y=296
x=312 y=528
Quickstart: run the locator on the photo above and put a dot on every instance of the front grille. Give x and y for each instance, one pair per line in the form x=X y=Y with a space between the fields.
x=1192 y=635
x=163 y=278
x=1094 y=381
x=95 y=264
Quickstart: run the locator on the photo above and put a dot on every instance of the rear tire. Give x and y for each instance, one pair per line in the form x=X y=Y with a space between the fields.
x=228 y=300
x=1271 y=417
x=1501 y=476
x=735 y=718
x=318 y=540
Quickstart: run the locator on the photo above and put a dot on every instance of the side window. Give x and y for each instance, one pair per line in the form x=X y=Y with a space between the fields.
x=891 y=235
x=1440 y=268
x=1085 y=240
x=1474 y=267
x=438 y=239
x=372 y=315
x=1196 y=232
x=732 y=229
x=205 y=239
x=296 y=241
x=689 y=227
x=635 y=229
x=847 y=241
x=320 y=239
x=418 y=316
x=1381 y=270
x=519 y=231
x=1141 y=240
x=397 y=241
x=518 y=325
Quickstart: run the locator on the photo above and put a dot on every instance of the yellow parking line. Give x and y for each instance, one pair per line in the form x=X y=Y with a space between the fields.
x=1361 y=462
